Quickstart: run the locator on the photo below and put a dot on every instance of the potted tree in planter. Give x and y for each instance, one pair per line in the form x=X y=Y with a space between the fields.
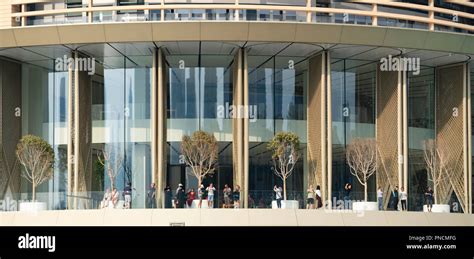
x=199 y=152
x=37 y=158
x=284 y=147
x=361 y=156
x=437 y=166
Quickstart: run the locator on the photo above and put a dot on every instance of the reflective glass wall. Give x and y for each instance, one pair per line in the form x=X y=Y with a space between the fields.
x=121 y=126
x=44 y=114
x=278 y=82
x=353 y=84
x=421 y=126
x=199 y=97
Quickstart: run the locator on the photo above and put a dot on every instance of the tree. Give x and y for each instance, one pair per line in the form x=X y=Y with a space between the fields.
x=437 y=166
x=37 y=158
x=111 y=159
x=200 y=153
x=361 y=156
x=284 y=147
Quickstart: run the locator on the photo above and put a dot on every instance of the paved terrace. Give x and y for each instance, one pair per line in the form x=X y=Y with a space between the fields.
x=231 y=217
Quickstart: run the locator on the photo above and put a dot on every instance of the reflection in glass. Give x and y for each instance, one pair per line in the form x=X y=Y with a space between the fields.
x=199 y=97
x=121 y=91
x=277 y=91
x=353 y=116
x=421 y=109
x=44 y=114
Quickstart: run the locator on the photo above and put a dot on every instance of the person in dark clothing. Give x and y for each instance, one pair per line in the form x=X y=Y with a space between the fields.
x=347 y=191
x=347 y=195
x=151 y=195
x=318 y=197
x=236 y=197
x=180 y=197
x=395 y=198
x=429 y=198
x=168 y=196
x=278 y=195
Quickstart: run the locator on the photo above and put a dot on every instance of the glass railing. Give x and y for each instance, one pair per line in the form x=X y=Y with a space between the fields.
x=257 y=199
x=390 y=14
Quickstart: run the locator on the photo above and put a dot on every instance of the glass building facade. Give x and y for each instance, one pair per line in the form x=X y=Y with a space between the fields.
x=353 y=86
x=44 y=114
x=202 y=82
x=163 y=70
x=277 y=83
x=199 y=97
x=421 y=127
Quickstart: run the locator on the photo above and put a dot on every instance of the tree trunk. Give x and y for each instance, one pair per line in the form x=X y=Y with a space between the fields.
x=284 y=188
x=199 y=182
x=365 y=192
x=34 y=192
x=435 y=193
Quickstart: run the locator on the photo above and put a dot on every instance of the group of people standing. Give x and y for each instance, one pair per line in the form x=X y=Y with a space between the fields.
x=184 y=199
x=231 y=198
x=395 y=198
x=111 y=199
x=402 y=197
x=314 y=195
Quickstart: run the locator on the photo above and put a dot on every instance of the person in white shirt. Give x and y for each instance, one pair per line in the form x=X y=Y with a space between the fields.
x=210 y=195
x=319 y=197
x=403 y=198
x=380 y=198
x=278 y=196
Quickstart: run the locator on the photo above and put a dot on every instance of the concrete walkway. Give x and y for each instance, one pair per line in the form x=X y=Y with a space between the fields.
x=231 y=217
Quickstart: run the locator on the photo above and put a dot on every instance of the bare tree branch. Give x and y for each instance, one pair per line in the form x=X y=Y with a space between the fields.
x=361 y=156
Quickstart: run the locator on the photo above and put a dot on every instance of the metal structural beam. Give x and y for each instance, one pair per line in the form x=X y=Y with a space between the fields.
x=238 y=122
x=451 y=131
x=389 y=131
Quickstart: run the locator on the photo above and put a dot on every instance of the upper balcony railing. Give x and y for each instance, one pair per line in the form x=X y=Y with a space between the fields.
x=362 y=12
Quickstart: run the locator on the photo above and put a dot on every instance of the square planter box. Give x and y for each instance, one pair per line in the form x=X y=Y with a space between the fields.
x=365 y=206
x=288 y=204
x=33 y=206
x=439 y=208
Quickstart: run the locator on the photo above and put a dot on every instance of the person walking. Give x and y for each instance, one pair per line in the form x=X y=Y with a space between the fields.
x=380 y=198
x=236 y=197
x=168 y=198
x=403 y=198
x=151 y=195
x=429 y=198
x=210 y=195
x=227 y=193
x=310 y=197
x=395 y=198
x=278 y=196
